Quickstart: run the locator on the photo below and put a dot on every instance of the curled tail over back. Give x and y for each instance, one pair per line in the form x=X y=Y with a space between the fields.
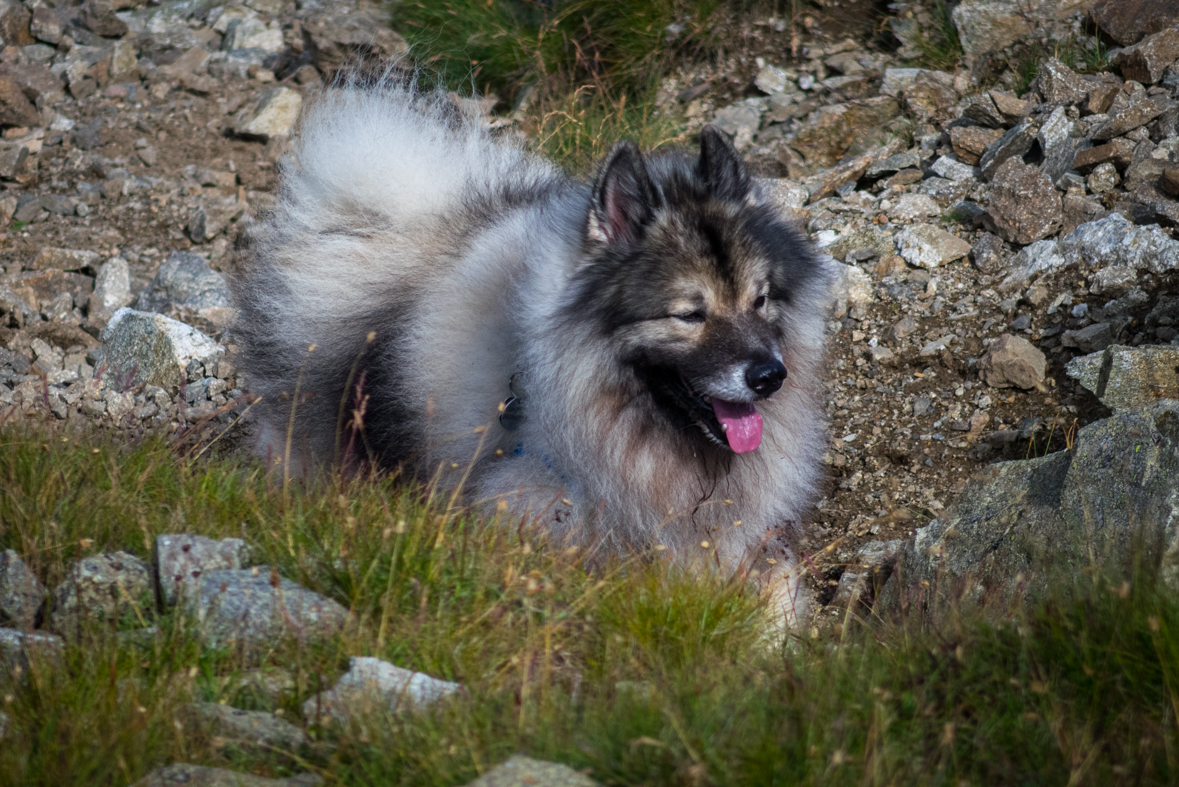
x=382 y=187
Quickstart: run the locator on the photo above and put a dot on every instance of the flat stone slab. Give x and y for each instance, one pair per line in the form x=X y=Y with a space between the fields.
x=927 y=246
x=373 y=686
x=520 y=771
x=253 y=609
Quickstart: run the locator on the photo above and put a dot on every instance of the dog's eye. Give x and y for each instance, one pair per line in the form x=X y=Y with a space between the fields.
x=761 y=301
x=692 y=317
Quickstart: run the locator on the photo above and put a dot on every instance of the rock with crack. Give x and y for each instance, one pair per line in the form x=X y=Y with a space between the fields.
x=373 y=686
x=180 y=560
x=1127 y=377
x=254 y=609
x=141 y=347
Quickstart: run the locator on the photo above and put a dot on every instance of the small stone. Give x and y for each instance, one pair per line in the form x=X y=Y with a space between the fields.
x=1089 y=339
x=771 y=79
x=928 y=246
x=1146 y=61
x=981 y=109
x=63 y=259
x=1101 y=96
x=1025 y=207
x=98 y=16
x=1118 y=152
x=21 y=593
x=1115 y=242
x=112 y=291
x=201 y=776
x=271 y=115
x=897 y=80
x=912 y=206
x=1103 y=178
x=930 y=98
x=1010 y=106
x=181 y=559
x=375 y=686
x=937 y=345
x=952 y=169
x=740 y=121
x=252 y=609
x=1129 y=377
x=145 y=347
x=1141 y=111
x=106 y=589
x=520 y=771
x=17 y=648
x=1169 y=182
x=1035 y=258
x=186 y=281
x=853 y=287
x=244 y=729
x=15 y=107
x=1013 y=362
x=903 y=327
x=987 y=253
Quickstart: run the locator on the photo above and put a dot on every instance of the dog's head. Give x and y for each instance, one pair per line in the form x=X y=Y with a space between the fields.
x=692 y=279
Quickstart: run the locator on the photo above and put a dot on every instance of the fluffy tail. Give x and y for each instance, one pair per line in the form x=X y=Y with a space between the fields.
x=382 y=187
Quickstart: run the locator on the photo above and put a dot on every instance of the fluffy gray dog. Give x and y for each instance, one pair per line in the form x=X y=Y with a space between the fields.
x=635 y=361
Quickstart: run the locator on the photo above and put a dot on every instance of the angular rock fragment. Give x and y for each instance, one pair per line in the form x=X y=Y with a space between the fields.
x=18 y=648
x=518 y=771
x=1127 y=21
x=1089 y=339
x=970 y=142
x=1059 y=84
x=271 y=115
x=112 y=291
x=1117 y=151
x=1024 y=207
x=1013 y=362
x=180 y=560
x=150 y=348
x=186 y=281
x=109 y=589
x=1140 y=111
x=248 y=730
x=63 y=259
x=1016 y=142
x=1128 y=377
x=1146 y=61
x=928 y=246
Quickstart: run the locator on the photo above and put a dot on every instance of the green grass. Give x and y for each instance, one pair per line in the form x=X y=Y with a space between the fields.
x=939 y=46
x=1081 y=690
x=1083 y=55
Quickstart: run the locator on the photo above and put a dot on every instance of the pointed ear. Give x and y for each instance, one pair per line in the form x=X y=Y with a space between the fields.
x=623 y=198
x=720 y=166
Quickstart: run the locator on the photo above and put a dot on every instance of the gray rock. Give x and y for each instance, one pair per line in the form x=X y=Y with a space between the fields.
x=1058 y=145
x=5 y=723
x=211 y=219
x=185 y=281
x=200 y=776
x=341 y=35
x=913 y=206
x=1012 y=145
x=1024 y=207
x=18 y=648
x=950 y=168
x=937 y=345
x=520 y=771
x=180 y=560
x=1128 y=377
x=252 y=609
x=21 y=593
x=1059 y=84
x=244 y=729
x=771 y=79
x=928 y=246
x=862 y=244
x=150 y=348
x=1045 y=255
x=1103 y=178
x=112 y=291
x=867 y=572
x=63 y=259
x=897 y=80
x=109 y=589
x=375 y=686
x=1115 y=242
x=740 y=121
x=1141 y=111
x=852 y=288
x=1148 y=60
x=789 y=197
x=988 y=25
x=98 y=16
x=1013 y=362
x=271 y=115
x=1089 y=339
x=987 y=253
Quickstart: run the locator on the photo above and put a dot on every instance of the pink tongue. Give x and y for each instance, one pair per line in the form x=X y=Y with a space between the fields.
x=741 y=423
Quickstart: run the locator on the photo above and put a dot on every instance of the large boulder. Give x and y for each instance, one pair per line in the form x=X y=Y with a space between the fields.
x=141 y=347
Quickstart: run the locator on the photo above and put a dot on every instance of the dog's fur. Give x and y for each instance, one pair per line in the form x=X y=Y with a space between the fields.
x=438 y=271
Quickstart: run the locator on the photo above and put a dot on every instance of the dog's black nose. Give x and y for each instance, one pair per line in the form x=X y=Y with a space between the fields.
x=765 y=378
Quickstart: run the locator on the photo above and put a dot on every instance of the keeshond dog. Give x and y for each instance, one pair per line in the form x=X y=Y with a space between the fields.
x=634 y=361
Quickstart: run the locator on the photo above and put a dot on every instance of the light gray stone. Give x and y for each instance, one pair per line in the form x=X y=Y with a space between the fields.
x=373 y=686
x=1127 y=377
x=1059 y=84
x=897 y=80
x=771 y=79
x=952 y=169
x=271 y=115
x=185 y=280
x=110 y=590
x=201 y=776
x=151 y=348
x=21 y=593
x=988 y=25
x=928 y=246
x=1013 y=362
x=63 y=259
x=17 y=648
x=520 y=771
x=180 y=560
x=914 y=205
x=244 y=729
x=1115 y=242
x=112 y=291
x=741 y=121
x=1036 y=258
x=253 y=609
x=937 y=345
x=852 y=287
x=1089 y=339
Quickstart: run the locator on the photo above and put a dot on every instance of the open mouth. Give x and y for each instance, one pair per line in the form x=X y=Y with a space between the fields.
x=736 y=425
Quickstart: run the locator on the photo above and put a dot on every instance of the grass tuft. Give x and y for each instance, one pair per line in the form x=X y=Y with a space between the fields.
x=940 y=47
